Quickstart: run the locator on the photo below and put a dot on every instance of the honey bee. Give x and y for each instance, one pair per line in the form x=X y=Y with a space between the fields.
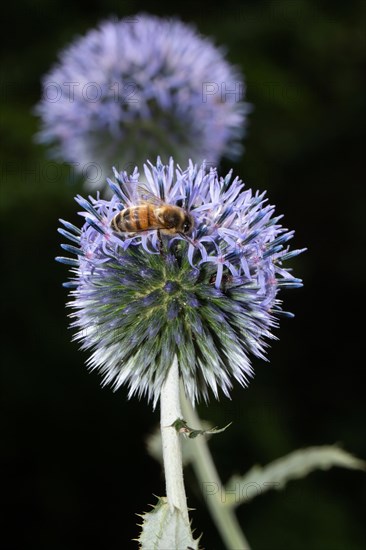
x=153 y=213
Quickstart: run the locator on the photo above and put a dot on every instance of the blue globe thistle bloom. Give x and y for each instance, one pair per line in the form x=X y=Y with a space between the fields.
x=135 y=88
x=211 y=299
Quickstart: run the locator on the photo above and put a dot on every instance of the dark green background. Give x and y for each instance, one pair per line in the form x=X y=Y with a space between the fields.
x=74 y=458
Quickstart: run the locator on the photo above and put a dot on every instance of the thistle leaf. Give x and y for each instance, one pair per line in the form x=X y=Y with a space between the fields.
x=182 y=427
x=153 y=444
x=296 y=465
x=163 y=528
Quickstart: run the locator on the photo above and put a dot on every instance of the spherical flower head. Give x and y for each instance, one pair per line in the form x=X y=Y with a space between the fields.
x=135 y=88
x=210 y=298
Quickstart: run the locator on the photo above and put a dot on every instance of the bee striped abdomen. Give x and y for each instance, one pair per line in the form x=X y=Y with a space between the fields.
x=145 y=217
x=131 y=219
x=134 y=219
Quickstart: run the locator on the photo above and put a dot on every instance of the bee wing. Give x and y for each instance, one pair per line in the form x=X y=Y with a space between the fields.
x=147 y=196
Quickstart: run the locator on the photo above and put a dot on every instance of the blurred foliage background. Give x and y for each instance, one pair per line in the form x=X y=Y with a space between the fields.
x=73 y=454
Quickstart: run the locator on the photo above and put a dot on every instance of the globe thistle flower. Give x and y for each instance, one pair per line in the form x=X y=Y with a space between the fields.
x=209 y=299
x=135 y=88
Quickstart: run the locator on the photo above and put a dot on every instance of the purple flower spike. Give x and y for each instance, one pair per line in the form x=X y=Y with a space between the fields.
x=209 y=297
x=137 y=88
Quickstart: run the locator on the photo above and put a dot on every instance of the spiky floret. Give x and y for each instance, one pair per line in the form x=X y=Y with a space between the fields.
x=211 y=301
x=140 y=80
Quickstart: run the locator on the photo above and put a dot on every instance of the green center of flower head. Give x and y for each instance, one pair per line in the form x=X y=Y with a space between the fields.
x=160 y=298
x=166 y=283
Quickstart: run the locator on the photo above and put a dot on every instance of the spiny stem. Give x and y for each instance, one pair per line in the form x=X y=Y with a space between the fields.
x=170 y=411
x=205 y=470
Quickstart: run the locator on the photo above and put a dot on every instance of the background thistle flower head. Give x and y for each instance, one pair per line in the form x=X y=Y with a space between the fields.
x=133 y=89
x=211 y=301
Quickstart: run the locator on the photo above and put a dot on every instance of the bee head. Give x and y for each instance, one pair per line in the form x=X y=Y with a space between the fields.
x=187 y=225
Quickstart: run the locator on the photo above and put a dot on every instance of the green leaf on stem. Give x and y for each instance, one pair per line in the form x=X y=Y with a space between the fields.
x=164 y=528
x=295 y=465
x=182 y=427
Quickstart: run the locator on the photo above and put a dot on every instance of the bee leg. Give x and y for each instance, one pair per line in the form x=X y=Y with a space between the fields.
x=161 y=244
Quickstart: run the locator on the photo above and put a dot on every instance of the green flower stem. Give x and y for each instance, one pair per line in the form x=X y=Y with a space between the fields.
x=170 y=411
x=205 y=470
